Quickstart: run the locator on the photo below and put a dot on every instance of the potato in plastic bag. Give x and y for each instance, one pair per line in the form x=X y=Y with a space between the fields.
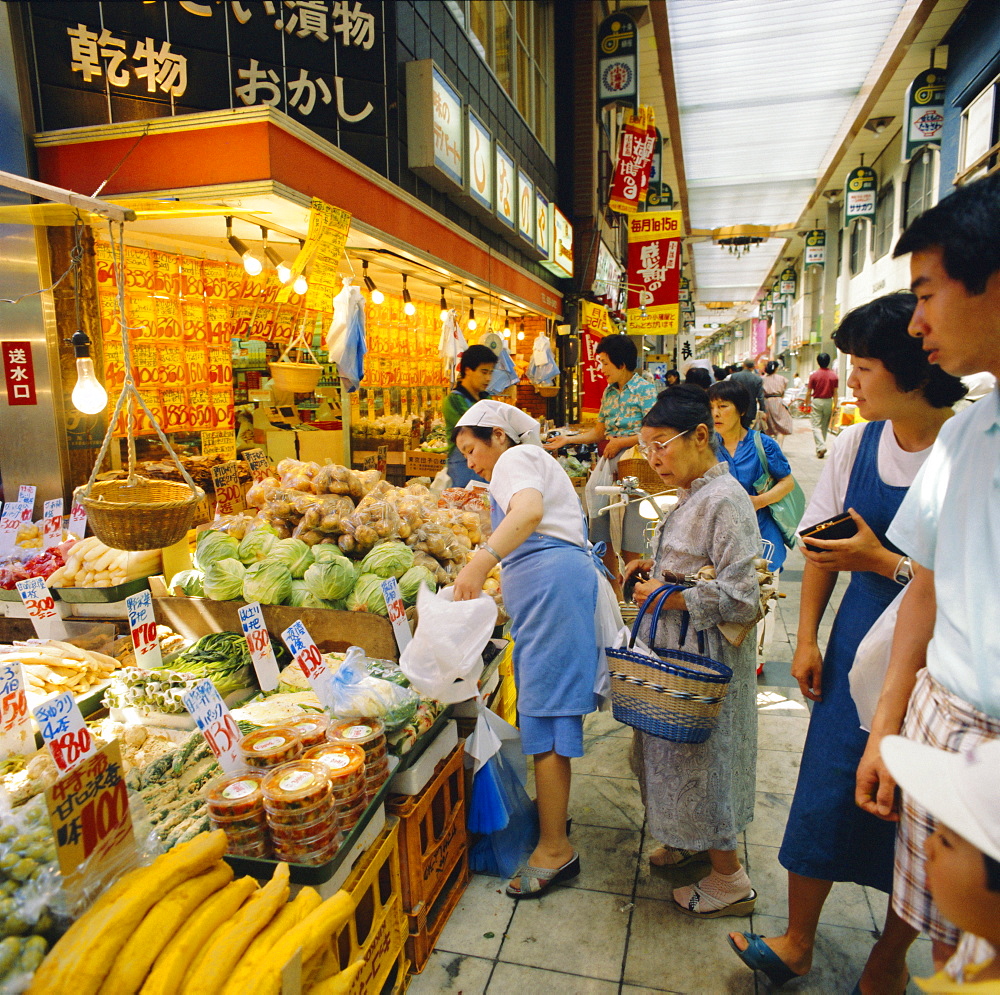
x=259 y=493
x=367 y=480
x=336 y=479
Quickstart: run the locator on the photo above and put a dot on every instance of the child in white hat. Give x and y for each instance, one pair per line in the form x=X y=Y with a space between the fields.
x=963 y=855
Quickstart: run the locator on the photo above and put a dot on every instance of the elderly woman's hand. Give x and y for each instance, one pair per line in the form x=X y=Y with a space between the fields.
x=860 y=552
x=469 y=582
x=637 y=565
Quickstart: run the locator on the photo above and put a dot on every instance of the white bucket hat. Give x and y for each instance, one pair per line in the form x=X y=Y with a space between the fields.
x=962 y=790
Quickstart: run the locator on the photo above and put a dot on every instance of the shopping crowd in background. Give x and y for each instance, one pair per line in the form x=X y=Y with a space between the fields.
x=906 y=799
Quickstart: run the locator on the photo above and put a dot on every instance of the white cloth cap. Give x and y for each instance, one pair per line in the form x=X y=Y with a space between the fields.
x=496 y=414
x=961 y=790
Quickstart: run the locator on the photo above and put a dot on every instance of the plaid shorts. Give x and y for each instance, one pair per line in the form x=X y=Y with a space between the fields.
x=940 y=719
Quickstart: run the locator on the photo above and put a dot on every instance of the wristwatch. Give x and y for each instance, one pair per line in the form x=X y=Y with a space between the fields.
x=904 y=571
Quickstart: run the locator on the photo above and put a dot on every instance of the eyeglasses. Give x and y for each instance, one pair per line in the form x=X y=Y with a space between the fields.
x=655 y=448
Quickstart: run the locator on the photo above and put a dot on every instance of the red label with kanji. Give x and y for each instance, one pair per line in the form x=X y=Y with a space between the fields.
x=18 y=373
x=634 y=163
x=654 y=268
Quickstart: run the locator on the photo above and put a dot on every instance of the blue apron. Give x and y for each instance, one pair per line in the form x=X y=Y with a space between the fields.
x=550 y=592
x=827 y=835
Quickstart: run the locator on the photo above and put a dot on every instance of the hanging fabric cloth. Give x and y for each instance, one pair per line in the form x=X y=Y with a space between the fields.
x=505 y=374
x=345 y=341
x=452 y=343
x=543 y=369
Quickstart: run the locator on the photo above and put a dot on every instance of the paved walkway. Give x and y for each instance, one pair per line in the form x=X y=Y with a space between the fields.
x=614 y=930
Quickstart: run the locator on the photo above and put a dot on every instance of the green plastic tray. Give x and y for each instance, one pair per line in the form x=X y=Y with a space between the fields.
x=100 y=595
x=6 y=595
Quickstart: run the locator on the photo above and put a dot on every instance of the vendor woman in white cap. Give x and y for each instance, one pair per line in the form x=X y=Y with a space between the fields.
x=550 y=591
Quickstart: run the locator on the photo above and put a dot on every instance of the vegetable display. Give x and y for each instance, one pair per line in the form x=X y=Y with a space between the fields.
x=269 y=582
x=224 y=658
x=223 y=580
x=52 y=666
x=89 y=563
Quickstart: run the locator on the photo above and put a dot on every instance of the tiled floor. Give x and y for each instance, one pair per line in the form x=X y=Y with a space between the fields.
x=614 y=930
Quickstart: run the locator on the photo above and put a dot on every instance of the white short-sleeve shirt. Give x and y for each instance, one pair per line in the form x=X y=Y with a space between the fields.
x=526 y=466
x=949 y=522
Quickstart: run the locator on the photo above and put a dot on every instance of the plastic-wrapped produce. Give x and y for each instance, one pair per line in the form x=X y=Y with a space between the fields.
x=298 y=475
x=374 y=521
x=259 y=494
x=336 y=479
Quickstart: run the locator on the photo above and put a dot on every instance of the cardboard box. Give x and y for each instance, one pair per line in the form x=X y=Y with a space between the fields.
x=421 y=464
x=320 y=446
x=281 y=445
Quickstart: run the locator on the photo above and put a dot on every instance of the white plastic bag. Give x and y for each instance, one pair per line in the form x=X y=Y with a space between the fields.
x=444 y=660
x=602 y=475
x=609 y=623
x=871 y=663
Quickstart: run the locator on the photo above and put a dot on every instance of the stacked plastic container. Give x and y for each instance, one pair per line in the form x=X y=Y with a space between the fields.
x=369 y=734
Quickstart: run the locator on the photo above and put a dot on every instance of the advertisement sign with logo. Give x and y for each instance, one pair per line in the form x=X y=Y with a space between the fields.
x=506 y=188
x=815 y=247
x=435 y=126
x=617 y=61
x=634 y=162
x=543 y=228
x=525 y=207
x=654 y=269
x=859 y=193
x=924 y=111
x=482 y=163
x=560 y=259
x=788 y=281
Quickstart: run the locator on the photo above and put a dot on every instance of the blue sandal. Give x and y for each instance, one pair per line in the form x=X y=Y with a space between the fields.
x=758 y=956
x=535 y=881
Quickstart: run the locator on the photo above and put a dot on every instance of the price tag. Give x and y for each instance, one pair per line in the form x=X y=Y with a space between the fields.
x=307 y=655
x=26 y=495
x=259 y=644
x=218 y=726
x=78 y=520
x=228 y=492
x=41 y=607
x=219 y=443
x=91 y=821
x=382 y=459
x=257 y=462
x=142 y=622
x=15 y=723
x=63 y=729
x=369 y=463
x=10 y=522
x=52 y=523
x=397 y=612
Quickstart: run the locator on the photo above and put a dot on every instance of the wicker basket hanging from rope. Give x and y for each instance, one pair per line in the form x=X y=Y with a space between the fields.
x=298 y=377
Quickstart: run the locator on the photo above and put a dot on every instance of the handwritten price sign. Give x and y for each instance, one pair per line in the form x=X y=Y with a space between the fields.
x=142 y=623
x=397 y=612
x=307 y=655
x=257 y=462
x=78 y=520
x=259 y=644
x=41 y=608
x=15 y=723
x=219 y=443
x=228 y=492
x=63 y=729
x=217 y=725
x=91 y=820
x=26 y=495
x=52 y=524
x=15 y=514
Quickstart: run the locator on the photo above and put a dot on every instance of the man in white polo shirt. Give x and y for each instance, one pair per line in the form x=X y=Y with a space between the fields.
x=943 y=683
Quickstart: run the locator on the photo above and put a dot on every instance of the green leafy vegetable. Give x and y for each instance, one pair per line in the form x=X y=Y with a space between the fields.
x=268 y=582
x=332 y=580
x=224 y=580
x=256 y=546
x=191 y=582
x=295 y=554
x=411 y=581
x=214 y=546
x=367 y=596
x=388 y=559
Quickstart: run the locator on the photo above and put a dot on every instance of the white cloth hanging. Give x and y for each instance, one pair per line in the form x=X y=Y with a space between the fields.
x=543 y=368
x=452 y=343
x=345 y=341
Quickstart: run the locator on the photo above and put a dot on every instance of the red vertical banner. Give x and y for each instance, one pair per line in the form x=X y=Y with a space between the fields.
x=634 y=163
x=654 y=268
x=18 y=373
x=592 y=380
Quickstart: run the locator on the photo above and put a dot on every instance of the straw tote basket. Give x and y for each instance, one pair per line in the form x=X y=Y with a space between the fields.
x=136 y=513
x=298 y=377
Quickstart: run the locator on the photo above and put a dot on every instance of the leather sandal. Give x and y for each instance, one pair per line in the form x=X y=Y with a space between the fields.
x=535 y=881
x=741 y=907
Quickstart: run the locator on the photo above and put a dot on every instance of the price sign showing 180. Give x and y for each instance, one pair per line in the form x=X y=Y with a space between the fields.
x=63 y=729
x=259 y=644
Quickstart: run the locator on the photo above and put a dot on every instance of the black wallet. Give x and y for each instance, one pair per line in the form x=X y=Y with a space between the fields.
x=838 y=527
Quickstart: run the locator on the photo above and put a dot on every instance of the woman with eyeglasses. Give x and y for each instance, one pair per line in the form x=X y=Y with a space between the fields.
x=700 y=797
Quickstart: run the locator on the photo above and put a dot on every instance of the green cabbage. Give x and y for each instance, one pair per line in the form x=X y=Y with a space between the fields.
x=410 y=583
x=214 y=546
x=295 y=554
x=367 y=596
x=388 y=559
x=302 y=597
x=324 y=552
x=332 y=580
x=268 y=582
x=224 y=580
x=256 y=546
x=191 y=582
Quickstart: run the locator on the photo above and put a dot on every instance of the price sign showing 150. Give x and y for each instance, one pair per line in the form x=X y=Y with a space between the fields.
x=63 y=729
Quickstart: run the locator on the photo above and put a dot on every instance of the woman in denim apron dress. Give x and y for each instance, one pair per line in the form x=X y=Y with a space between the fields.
x=549 y=585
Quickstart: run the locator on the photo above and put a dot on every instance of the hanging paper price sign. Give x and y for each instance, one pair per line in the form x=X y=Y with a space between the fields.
x=142 y=623
x=228 y=492
x=309 y=659
x=52 y=523
x=10 y=522
x=15 y=723
x=91 y=822
x=257 y=462
x=78 y=521
x=41 y=608
x=397 y=612
x=64 y=731
x=26 y=495
x=259 y=644
x=218 y=442
x=217 y=725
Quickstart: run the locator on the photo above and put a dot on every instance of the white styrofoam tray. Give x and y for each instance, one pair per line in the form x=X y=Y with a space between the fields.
x=415 y=778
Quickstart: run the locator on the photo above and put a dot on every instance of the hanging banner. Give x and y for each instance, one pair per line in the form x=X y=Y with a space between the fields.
x=653 y=196
x=815 y=247
x=788 y=281
x=685 y=346
x=595 y=319
x=654 y=269
x=592 y=382
x=618 y=61
x=859 y=194
x=924 y=112
x=635 y=160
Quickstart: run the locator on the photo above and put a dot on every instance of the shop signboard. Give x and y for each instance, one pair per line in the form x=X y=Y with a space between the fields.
x=607 y=276
x=18 y=373
x=666 y=197
x=859 y=194
x=321 y=64
x=525 y=207
x=435 y=126
x=506 y=181
x=617 y=61
x=543 y=227
x=654 y=267
x=560 y=260
x=787 y=282
x=685 y=345
x=924 y=111
x=815 y=247
x=482 y=163
x=634 y=162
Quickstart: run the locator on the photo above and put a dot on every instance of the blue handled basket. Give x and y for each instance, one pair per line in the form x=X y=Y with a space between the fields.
x=675 y=695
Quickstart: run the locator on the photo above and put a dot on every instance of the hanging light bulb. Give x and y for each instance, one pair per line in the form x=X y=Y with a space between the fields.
x=251 y=263
x=89 y=395
x=377 y=296
x=444 y=306
x=284 y=273
x=472 y=315
x=301 y=285
x=506 y=324
x=520 y=334
x=408 y=306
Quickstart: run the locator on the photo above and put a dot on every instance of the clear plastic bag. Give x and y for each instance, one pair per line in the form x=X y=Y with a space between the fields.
x=354 y=693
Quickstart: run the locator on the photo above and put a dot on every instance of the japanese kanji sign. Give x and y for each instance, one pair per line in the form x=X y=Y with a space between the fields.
x=15 y=723
x=654 y=267
x=310 y=660
x=859 y=194
x=216 y=723
x=259 y=644
x=218 y=442
x=815 y=247
x=617 y=61
x=635 y=162
x=228 y=492
x=18 y=373
x=64 y=731
x=593 y=382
